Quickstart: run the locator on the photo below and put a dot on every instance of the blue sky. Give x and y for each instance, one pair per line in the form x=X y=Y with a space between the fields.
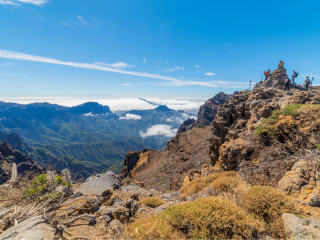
x=149 y=48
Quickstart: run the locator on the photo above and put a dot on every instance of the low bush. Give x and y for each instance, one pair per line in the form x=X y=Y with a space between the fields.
x=41 y=190
x=155 y=227
x=152 y=202
x=199 y=184
x=213 y=218
x=267 y=203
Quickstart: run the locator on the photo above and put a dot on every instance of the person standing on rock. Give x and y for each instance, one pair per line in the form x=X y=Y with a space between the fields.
x=287 y=84
x=294 y=76
x=307 y=83
x=267 y=74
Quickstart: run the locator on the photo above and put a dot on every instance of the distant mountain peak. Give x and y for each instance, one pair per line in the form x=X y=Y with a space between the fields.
x=163 y=108
x=90 y=108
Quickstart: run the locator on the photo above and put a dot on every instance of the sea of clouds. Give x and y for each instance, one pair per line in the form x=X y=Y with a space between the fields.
x=190 y=105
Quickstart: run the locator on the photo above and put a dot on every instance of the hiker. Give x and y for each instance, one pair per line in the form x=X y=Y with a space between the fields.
x=287 y=84
x=294 y=76
x=307 y=83
x=267 y=74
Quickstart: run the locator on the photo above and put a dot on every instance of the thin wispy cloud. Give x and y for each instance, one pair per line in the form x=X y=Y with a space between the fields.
x=19 y=2
x=66 y=24
x=173 y=69
x=33 y=58
x=210 y=73
x=83 y=21
x=115 y=65
x=144 y=60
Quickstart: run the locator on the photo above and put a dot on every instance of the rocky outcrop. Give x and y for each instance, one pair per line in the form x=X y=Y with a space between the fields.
x=206 y=112
x=26 y=167
x=130 y=162
x=300 y=228
x=264 y=158
x=303 y=179
x=31 y=228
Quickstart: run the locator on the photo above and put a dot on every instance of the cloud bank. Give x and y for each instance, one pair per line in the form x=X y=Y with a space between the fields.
x=159 y=130
x=116 y=104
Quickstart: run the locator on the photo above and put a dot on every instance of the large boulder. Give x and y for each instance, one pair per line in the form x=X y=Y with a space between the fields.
x=97 y=185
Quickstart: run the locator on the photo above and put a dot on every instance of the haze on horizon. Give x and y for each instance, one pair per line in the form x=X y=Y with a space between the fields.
x=157 y=49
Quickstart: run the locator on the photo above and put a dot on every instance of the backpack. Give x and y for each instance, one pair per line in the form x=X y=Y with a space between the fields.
x=308 y=82
x=296 y=75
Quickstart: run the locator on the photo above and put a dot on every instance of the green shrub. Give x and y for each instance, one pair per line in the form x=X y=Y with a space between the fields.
x=41 y=190
x=152 y=202
x=213 y=218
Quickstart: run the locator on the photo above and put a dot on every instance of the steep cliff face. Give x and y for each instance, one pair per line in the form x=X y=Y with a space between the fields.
x=26 y=167
x=206 y=112
x=166 y=169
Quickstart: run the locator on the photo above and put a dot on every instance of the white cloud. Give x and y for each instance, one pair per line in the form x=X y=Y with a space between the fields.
x=114 y=65
x=159 y=129
x=211 y=74
x=83 y=21
x=17 y=2
x=89 y=114
x=131 y=117
x=144 y=60
x=173 y=81
x=176 y=68
x=197 y=66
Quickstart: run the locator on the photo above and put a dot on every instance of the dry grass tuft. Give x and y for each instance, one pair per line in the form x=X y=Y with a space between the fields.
x=154 y=227
x=152 y=202
x=268 y=204
x=218 y=181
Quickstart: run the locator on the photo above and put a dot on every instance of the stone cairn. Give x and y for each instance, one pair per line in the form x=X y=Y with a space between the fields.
x=277 y=78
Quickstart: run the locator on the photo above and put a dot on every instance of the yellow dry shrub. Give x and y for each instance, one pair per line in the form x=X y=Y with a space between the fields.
x=267 y=203
x=152 y=202
x=225 y=184
x=154 y=227
x=213 y=218
x=199 y=184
